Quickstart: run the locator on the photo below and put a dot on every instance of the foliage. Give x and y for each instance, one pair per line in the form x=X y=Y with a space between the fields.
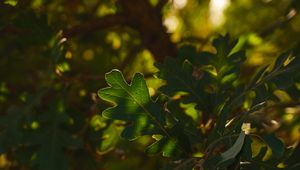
x=195 y=101
x=213 y=82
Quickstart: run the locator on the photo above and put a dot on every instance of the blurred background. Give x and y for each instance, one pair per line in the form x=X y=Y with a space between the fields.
x=54 y=55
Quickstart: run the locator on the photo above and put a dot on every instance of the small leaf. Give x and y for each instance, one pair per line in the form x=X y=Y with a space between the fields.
x=222 y=120
x=258 y=75
x=275 y=144
x=280 y=60
x=261 y=154
x=168 y=146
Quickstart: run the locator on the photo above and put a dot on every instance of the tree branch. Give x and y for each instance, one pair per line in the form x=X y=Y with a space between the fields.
x=282 y=22
x=96 y=24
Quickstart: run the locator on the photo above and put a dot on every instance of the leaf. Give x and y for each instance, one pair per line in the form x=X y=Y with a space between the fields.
x=278 y=154
x=187 y=124
x=233 y=151
x=280 y=60
x=187 y=52
x=276 y=146
x=207 y=78
x=223 y=116
x=294 y=157
x=261 y=154
x=282 y=76
x=262 y=93
x=258 y=75
x=238 y=125
x=283 y=73
x=167 y=145
x=133 y=104
x=181 y=76
x=220 y=125
x=246 y=151
x=145 y=116
x=105 y=139
x=223 y=45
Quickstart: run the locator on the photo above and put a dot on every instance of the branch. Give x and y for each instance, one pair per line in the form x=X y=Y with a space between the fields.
x=96 y=24
x=283 y=21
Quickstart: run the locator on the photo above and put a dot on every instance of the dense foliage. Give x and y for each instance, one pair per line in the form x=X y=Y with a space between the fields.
x=183 y=94
x=211 y=82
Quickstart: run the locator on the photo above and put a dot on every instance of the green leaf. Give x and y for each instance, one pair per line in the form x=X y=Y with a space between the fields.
x=104 y=139
x=283 y=72
x=233 y=151
x=167 y=145
x=223 y=116
x=275 y=144
x=258 y=75
x=261 y=154
x=144 y=116
x=181 y=76
x=133 y=104
x=280 y=60
x=188 y=125
x=223 y=45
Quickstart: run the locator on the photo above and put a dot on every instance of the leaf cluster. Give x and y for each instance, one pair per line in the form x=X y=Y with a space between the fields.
x=224 y=125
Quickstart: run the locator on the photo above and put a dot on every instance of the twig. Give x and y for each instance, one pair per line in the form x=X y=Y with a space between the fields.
x=184 y=163
x=283 y=21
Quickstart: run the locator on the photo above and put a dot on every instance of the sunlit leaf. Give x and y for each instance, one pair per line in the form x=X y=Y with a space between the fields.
x=145 y=116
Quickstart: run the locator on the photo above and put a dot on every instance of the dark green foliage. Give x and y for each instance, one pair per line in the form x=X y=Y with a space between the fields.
x=52 y=140
x=207 y=106
x=213 y=82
